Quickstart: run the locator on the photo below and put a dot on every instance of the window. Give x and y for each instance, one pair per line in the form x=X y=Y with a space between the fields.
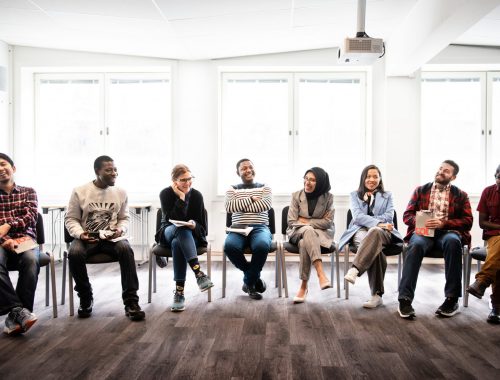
x=460 y=121
x=81 y=116
x=289 y=122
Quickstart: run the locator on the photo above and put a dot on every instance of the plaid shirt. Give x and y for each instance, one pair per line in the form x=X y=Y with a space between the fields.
x=459 y=211
x=19 y=209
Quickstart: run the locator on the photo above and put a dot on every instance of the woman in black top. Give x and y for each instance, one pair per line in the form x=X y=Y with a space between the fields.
x=183 y=228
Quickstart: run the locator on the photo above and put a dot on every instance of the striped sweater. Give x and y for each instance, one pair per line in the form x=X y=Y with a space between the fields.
x=243 y=209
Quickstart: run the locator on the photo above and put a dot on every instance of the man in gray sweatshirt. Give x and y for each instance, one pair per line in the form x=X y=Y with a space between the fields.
x=97 y=215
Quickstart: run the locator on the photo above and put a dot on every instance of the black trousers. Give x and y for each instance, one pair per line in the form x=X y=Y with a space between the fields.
x=78 y=253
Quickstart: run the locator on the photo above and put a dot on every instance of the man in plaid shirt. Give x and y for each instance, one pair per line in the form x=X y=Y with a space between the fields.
x=452 y=221
x=18 y=215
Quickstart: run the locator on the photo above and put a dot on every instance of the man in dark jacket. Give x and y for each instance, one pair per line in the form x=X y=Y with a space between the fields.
x=451 y=222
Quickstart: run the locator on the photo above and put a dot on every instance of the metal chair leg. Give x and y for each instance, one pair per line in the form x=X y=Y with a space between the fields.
x=70 y=291
x=209 y=269
x=53 y=281
x=337 y=258
x=283 y=270
x=346 y=268
x=150 y=279
x=223 y=274
x=63 y=287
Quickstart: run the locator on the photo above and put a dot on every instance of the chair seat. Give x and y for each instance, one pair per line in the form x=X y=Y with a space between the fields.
x=391 y=250
x=274 y=247
x=479 y=253
x=44 y=260
x=292 y=248
x=101 y=258
x=161 y=250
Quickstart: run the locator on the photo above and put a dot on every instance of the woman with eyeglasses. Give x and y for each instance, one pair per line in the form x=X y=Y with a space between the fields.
x=370 y=230
x=183 y=228
x=310 y=226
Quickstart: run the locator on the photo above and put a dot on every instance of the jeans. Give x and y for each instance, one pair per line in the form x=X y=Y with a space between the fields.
x=78 y=253
x=27 y=263
x=451 y=246
x=181 y=241
x=259 y=242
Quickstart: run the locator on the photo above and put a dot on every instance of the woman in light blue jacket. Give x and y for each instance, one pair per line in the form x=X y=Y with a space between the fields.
x=370 y=230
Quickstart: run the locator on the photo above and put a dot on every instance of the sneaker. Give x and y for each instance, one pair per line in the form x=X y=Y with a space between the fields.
x=134 y=312
x=204 y=282
x=449 y=307
x=19 y=321
x=493 y=317
x=373 y=302
x=260 y=286
x=405 y=309
x=252 y=292
x=476 y=289
x=352 y=275
x=178 y=304
x=85 y=308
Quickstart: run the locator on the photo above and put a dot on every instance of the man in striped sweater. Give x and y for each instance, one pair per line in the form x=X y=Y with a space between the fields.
x=249 y=203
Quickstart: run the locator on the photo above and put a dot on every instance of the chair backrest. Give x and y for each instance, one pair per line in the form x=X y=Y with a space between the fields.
x=394 y=219
x=40 y=233
x=284 y=220
x=270 y=213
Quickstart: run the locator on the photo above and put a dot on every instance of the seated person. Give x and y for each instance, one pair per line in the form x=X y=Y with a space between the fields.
x=489 y=221
x=451 y=221
x=180 y=202
x=370 y=230
x=97 y=214
x=18 y=216
x=310 y=226
x=249 y=203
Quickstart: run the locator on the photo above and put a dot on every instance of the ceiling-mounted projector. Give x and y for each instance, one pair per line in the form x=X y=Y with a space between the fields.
x=362 y=49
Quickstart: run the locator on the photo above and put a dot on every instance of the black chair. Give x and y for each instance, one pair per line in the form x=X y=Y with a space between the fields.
x=479 y=254
x=97 y=258
x=392 y=249
x=162 y=251
x=45 y=260
x=436 y=253
x=275 y=247
x=292 y=248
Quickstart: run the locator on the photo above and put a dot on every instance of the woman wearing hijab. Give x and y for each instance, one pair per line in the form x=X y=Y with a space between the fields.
x=310 y=226
x=370 y=231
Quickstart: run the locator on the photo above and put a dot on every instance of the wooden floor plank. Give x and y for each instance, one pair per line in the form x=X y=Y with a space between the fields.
x=240 y=338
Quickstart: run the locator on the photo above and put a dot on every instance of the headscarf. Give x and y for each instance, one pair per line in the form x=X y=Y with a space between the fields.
x=322 y=187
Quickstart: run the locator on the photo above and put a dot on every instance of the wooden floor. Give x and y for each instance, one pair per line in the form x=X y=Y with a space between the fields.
x=239 y=338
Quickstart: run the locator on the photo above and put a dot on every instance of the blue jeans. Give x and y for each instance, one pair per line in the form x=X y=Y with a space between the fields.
x=28 y=265
x=181 y=241
x=451 y=246
x=259 y=242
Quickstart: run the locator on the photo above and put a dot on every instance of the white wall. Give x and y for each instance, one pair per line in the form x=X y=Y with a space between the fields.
x=5 y=140
x=395 y=117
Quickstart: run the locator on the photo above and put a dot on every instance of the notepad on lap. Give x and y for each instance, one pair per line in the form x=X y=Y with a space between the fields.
x=24 y=244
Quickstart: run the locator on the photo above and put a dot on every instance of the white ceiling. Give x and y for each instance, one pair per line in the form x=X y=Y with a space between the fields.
x=208 y=29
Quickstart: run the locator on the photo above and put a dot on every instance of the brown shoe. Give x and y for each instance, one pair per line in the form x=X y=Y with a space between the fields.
x=477 y=289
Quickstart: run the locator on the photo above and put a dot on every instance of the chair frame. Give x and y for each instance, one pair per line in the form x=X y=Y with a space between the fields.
x=279 y=263
x=50 y=270
x=68 y=239
x=168 y=253
x=285 y=242
x=347 y=251
x=478 y=253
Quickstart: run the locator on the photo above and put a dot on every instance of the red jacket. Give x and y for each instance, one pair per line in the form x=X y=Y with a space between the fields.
x=459 y=211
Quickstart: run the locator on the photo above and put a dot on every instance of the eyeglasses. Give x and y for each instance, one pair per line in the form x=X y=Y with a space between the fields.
x=184 y=180
x=497 y=175
x=309 y=179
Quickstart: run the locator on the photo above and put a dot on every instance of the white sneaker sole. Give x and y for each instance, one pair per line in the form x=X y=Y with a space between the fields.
x=406 y=316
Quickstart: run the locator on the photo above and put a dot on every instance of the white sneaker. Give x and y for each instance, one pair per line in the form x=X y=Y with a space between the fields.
x=351 y=275
x=374 y=302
